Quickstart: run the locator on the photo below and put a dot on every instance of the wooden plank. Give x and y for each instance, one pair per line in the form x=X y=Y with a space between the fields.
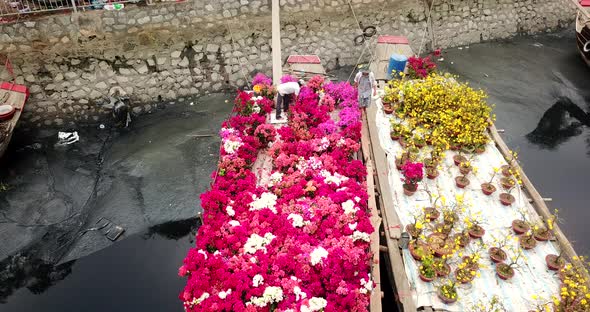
x=315 y=69
x=277 y=70
x=537 y=201
x=380 y=160
x=397 y=265
x=375 y=303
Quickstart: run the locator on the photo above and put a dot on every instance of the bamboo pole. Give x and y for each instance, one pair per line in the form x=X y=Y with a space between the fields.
x=277 y=71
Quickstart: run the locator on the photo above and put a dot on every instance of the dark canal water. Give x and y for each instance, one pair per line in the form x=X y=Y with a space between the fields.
x=540 y=87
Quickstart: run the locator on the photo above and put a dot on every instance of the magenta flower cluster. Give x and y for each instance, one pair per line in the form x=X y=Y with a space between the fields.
x=261 y=79
x=288 y=78
x=295 y=238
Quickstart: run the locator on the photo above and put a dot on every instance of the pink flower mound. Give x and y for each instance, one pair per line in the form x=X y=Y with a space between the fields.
x=288 y=78
x=316 y=82
x=300 y=237
x=341 y=92
x=420 y=67
x=413 y=172
x=261 y=79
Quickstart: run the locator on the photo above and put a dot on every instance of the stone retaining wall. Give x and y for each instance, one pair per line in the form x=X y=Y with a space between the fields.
x=171 y=50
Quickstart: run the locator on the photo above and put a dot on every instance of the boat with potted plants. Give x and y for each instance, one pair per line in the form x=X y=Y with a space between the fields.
x=479 y=188
x=12 y=103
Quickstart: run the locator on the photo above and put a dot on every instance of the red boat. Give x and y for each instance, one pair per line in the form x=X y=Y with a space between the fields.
x=12 y=102
x=583 y=29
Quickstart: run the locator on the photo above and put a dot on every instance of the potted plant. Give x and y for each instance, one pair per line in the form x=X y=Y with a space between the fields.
x=488 y=188
x=426 y=271
x=462 y=181
x=465 y=167
x=497 y=253
x=464 y=274
x=527 y=241
x=521 y=226
x=459 y=158
x=431 y=213
x=447 y=292
x=412 y=174
x=442 y=268
x=418 y=249
x=474 y=228
x=555 y=262
x=419 y=141
x=505 y=271
x=404 y=157
x=544 y=233
x=507 y=182
x=507 y=198
x=396 y=131
x=415 y=229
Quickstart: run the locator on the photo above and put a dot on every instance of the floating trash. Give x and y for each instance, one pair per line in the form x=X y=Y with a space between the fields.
x=66 y=138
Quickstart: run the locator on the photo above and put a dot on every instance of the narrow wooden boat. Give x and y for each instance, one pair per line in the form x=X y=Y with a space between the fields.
x=583 y=29
x=15 y=96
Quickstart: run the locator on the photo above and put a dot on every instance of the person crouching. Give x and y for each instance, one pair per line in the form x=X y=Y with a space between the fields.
x=287 y=94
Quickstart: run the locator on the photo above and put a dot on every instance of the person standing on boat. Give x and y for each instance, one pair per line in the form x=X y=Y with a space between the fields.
x=366 y=84
x=287 y=94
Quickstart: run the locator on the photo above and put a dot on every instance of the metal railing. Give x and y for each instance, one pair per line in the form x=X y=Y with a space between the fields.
x=11 y=10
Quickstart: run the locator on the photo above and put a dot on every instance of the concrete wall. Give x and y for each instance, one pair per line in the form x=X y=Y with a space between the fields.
x=178 y=49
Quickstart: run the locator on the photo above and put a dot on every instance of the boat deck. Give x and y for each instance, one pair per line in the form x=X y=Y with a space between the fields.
x=14 y=95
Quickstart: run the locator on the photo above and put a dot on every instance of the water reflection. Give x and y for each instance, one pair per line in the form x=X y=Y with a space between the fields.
x=24 y=271
x=559 y=123
x=37 y=276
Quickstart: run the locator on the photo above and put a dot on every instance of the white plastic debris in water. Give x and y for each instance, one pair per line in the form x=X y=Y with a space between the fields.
x=101 y=126
x=65 y=138
x=441 y=59
x=192 y=103
x=537 y=44
x=460 y=48
x=452 y=63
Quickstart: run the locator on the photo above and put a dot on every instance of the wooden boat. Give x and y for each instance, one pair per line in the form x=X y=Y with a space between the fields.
x=376 y=157
x=583 y=29
x=16 y=96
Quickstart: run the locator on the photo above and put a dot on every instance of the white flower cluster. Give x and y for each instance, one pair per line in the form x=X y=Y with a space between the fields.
x=256 y=242
x=366 y=285
x=266 y=200
x=318 y=254
x=275 y=178
x=200 y=299
x=349 y=207
x=299 y=295
x=271 y=294
x=234 y=223
x=201 y=251
x=352 y=226
x=297 y=219
x=341 y=142
x=257 y=280
x=335 y=178
x=358 y=235
x=315 y=304
x=230 y=211
x=256 y=108
x=231 y=147
x=224 y=294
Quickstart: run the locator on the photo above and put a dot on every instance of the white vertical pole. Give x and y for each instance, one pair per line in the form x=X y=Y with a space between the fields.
x=277 y=71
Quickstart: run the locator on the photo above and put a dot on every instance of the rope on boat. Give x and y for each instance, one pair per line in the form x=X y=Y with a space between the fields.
x=368 y=35
x=426 y=27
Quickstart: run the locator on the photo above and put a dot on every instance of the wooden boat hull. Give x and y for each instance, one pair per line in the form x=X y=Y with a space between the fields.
x=15 y=95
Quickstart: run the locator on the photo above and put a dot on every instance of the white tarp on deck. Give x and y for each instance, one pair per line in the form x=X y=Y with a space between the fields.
x=531 y=278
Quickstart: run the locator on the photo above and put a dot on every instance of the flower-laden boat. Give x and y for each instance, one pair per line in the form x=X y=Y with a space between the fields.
x=12 y=102
x=583 y=29
x=293 y=238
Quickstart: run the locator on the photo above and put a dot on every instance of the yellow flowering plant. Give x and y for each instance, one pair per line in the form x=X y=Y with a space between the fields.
x=447 y=290
x=445 y=106
x=494 y=304
x=574 y=293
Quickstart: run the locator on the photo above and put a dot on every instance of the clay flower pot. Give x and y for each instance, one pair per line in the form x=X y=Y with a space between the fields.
x=461 y=181
x=414 y=232
x=458 y=159
x=507 y=199
x=527 y=242
x=425 y=278
x=415 y=254
x=402 y=142
x=410 y=189
x=444 y=271
x=520 y=227
x=394 y=135
x=387 y=108
x=455 y=147
x=476 y=231
x=497 y=255
x=464 y=276
x=399 y=163
x=444 y=298
x=480 y=149
x=432 y=173
x=542 y=236
x=464 y=239
x=464 y=170
x=507 y=183
x=504 y=271
x=432 y=213
x=488 y=188
x=554 y=262
x=506 y=171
